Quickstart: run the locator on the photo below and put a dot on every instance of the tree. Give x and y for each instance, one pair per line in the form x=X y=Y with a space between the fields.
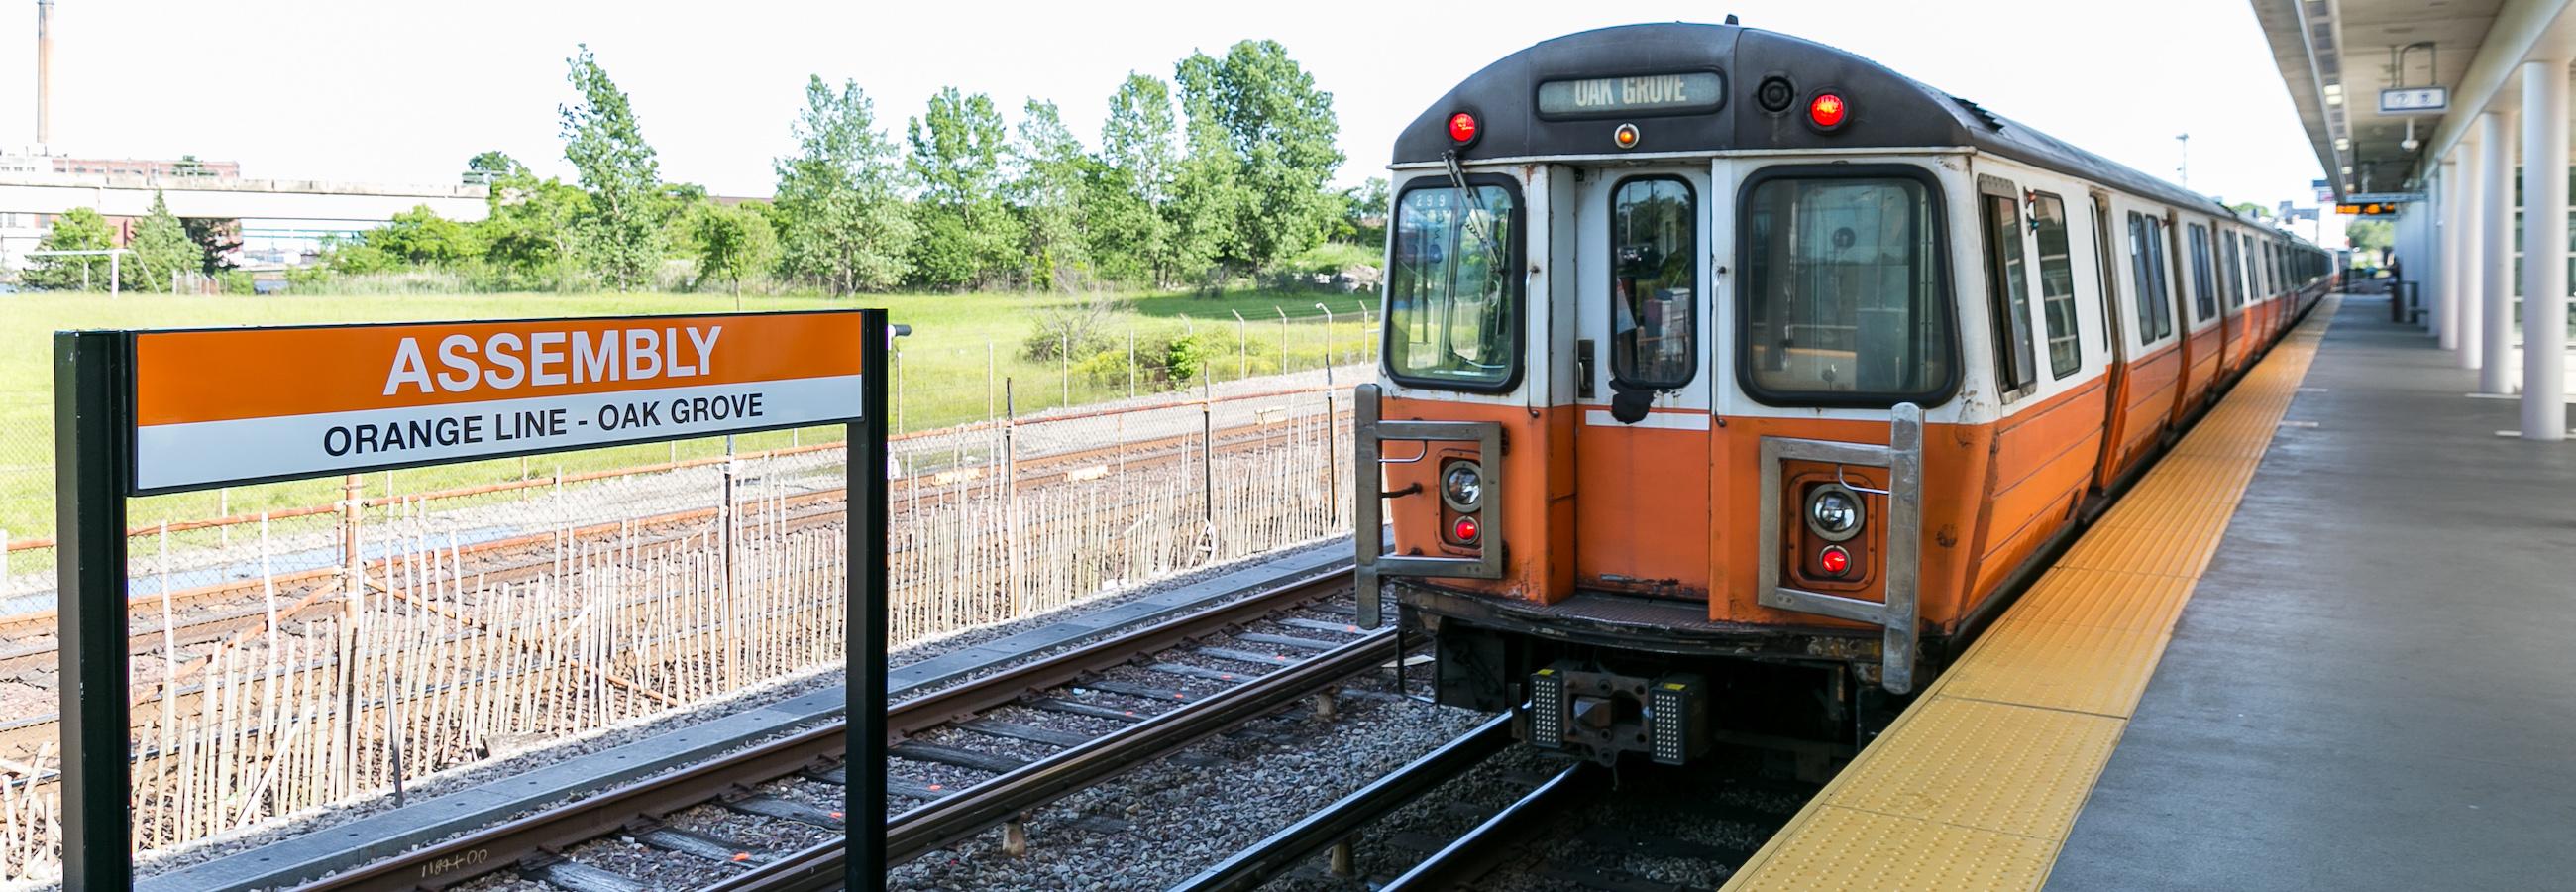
x=528 y=234
x=968 y=234
x=2370 y=235
x=1130 y=239
x=1050 y=191
x=620 y=232
x=1207 y=193
x=420 y=237
x=1282 y=130
x=218 y=239
x=79 y=229
x=732 y=242
x=161 y=247
x=1364 y=210
x=840 y=219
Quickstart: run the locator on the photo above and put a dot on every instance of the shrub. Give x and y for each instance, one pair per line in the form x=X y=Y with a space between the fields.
x=1084 y=327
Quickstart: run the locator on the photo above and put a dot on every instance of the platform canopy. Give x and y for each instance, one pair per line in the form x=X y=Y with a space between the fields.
x=2337 y=55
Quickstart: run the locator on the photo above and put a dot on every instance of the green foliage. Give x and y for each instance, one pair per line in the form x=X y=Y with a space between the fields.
x=420 y=237
x=969 y=236
x=620 y=232
x=1279 y=131
x=233 y=281
x=216 y=239
x=1181 y=359
x=2370 y=235
x=1107 y=367
x=732 y=242
x=79 y=229
x=1130 y=240
x=1364 y=211
x=161 y=247
x=1080 y=328
x=841 y=222
x=1050 y=191
x=527 y=239
x=1208 y=194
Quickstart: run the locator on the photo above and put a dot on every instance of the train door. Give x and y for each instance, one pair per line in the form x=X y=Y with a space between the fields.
x=1643 y=329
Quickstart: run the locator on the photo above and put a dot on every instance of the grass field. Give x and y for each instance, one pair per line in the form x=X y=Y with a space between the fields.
x=956 y=339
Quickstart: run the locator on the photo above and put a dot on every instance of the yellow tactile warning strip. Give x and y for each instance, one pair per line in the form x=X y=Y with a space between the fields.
x=1976 y=785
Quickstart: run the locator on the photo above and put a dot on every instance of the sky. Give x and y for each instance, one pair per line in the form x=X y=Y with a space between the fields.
x=405 y=92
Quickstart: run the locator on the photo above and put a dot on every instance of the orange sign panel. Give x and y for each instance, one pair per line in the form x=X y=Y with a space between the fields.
x=239 y=405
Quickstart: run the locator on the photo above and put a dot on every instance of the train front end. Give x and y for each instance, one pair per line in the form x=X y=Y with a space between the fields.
x=1669 y=344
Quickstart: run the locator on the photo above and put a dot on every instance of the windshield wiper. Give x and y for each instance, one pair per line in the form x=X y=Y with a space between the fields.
x=1475 y=202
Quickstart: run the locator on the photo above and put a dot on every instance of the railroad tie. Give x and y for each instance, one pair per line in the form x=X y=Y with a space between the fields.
x=838 y=775
x=583 y=878
x=1246 y=656
x=1093 y=710
x=1030 y=733
x=1288 y=641
x=915 y=788
x=958 y=756
x=1188 y=671
x=685 y=842
x=1149 y=692
x=1322 y=626
x=774 y=807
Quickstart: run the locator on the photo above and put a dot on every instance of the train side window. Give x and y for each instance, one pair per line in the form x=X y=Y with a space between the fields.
x=2235 y=271
x=1844 y=298
x=2106 y=267
x=1654 y=283
x=2056 y=284
x=2204 y=302
x=2008 y=286
x=2161 y=269
x=2138 y=277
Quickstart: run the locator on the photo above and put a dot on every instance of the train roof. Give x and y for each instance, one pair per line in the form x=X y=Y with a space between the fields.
x=1887 y=109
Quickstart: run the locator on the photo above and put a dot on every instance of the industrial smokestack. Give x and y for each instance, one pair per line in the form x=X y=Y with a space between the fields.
x=44 y=72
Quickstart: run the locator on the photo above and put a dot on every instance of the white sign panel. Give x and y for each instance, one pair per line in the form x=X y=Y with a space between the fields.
x=2414 y=100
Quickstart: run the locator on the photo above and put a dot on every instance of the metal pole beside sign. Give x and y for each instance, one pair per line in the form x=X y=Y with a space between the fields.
x=865 y=676
x=89 y=512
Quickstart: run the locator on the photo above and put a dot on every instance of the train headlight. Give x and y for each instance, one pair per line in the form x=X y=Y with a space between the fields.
x=1463 y=486
x=1834 y=513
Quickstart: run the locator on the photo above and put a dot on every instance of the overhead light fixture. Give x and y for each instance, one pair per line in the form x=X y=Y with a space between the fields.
x=2343 y=144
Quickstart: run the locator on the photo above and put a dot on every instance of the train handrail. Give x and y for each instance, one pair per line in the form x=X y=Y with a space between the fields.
x=1900 y=613
x=1369 y=434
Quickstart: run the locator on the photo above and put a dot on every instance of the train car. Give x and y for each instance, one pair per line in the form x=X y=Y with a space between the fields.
x=1730 y=381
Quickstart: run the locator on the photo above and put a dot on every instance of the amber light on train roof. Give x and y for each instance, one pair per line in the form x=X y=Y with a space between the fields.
x=1462 y=128
x=1625 y=136
x=1827 y=110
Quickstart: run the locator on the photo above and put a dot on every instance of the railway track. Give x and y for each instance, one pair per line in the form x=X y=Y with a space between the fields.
x=1476 y=814
x=966 y=758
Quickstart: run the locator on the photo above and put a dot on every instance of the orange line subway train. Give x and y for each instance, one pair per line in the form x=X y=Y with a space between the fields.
x=1730 y=381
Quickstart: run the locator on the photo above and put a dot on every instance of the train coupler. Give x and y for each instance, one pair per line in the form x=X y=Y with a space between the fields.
x=1599 y=715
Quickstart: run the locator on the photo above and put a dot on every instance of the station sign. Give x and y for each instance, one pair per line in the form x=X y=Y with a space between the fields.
x=2414 y=100
x=2386 y=197
x=229 y=406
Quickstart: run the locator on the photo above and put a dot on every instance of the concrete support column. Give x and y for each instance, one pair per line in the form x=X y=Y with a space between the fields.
x=2494 y=360
x=2544 y=246
x=2460 y=332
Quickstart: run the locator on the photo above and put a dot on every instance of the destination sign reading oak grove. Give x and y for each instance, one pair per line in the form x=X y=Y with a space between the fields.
x=1660 y=93
x=224 y=406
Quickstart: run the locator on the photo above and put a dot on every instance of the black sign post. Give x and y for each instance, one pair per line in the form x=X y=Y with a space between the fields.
x=96 y=422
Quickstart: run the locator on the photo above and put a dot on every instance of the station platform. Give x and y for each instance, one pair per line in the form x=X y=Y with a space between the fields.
x=2323 y=644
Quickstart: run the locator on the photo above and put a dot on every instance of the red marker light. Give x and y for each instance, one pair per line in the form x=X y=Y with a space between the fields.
x=1835 y=560
x=1466 y=529
x=1462 y=128
x=1827 y=110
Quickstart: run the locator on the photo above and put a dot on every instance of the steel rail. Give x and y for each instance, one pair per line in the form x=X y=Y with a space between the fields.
x=1281 y=852
x=503 y=846
x=1481 y=848
x=1038 y=783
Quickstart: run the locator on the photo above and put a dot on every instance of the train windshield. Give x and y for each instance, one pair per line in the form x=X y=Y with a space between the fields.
x=1843 y=302
x=1452 y=303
